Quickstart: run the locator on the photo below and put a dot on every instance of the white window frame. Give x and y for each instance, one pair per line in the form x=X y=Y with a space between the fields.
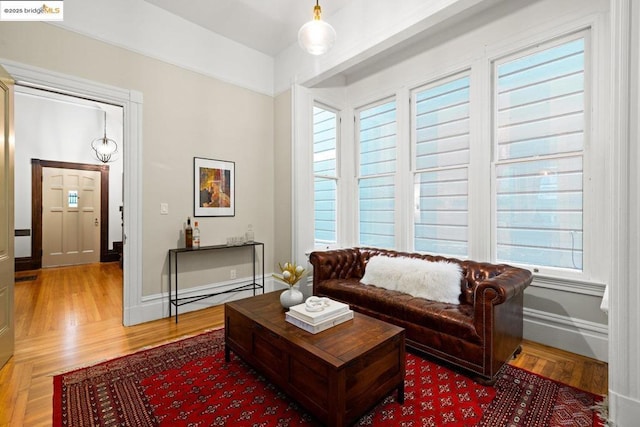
x=336 y=178
x=413 y=172
x=590 y=193
x=357 y=176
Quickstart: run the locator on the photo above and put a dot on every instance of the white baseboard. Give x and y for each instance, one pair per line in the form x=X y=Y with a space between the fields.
x=575 y=335
x=156 y=306
x=623 y=410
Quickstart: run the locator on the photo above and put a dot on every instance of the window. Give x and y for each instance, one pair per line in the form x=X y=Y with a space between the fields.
x=72 y=199
x=376 y=130
x=539 y=141
x=503 y=159
x=325 y=136
x=441 y=158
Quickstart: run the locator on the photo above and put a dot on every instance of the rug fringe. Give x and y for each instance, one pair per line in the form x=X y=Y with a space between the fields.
x=80 y=366
x=147 y=347
x=602 y=410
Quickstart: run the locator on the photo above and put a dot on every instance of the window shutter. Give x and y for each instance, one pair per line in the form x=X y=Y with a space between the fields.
x=441 y=135
x=377 y=168
x=540 y=128
x=325 y=133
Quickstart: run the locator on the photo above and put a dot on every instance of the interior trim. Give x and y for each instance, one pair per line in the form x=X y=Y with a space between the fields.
x=568 y=333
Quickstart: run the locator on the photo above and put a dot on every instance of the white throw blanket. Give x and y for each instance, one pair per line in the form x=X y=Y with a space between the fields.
x=436 y=281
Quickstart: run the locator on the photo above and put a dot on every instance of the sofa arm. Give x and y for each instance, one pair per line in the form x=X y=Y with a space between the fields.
x=502 y=287
x=336 y=264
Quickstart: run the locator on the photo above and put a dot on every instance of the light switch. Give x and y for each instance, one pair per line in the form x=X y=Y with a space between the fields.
x=164 y=208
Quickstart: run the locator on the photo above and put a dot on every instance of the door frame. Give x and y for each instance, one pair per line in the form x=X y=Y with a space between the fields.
x=36 y=207
x=132 y=103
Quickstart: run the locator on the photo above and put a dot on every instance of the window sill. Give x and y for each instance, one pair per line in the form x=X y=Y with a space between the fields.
x=569 y=285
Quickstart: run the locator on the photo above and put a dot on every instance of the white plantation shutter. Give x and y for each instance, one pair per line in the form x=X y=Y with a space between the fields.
x=377 y=168
x=441 y=135
x=540 y=131
x=325 y=131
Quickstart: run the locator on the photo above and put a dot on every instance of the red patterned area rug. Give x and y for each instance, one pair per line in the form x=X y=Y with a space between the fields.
x=187 y=383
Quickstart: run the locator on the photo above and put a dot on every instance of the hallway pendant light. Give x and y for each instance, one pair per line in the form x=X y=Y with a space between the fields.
x=104 y=147
x=316 y=36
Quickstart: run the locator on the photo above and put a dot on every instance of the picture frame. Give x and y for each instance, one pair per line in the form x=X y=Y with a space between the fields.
x=213 y=187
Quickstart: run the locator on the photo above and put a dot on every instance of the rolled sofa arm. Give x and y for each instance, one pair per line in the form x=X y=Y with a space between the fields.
x=500 y=288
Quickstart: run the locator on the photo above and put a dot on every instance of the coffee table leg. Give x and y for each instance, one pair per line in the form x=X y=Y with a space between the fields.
x=401 y=393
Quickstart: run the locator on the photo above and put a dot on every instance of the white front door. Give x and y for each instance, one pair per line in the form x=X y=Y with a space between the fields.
x=70 y=217
x=7 y=334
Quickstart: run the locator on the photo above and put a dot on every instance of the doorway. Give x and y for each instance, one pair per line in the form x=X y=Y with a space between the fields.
x=60 y=127
x=131 y=104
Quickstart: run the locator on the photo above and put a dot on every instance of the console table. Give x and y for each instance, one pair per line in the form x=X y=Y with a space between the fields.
x=176 y=301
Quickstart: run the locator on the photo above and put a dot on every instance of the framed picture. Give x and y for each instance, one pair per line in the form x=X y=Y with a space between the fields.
x=214 y=187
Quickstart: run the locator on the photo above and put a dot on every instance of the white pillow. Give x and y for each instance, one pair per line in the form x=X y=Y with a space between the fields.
x=436 y=281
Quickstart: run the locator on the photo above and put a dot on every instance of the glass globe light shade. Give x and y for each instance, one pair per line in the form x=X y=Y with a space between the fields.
x=316 y=37
x=104 y=148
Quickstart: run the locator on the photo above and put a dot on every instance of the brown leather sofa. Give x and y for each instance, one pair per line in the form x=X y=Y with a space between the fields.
x=479 y=335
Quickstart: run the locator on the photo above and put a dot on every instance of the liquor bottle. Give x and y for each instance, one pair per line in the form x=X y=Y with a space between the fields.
x=188 y=234
x=196 y=235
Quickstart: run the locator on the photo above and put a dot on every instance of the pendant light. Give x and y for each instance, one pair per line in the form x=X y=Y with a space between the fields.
x=104 y=147
x=316 y=36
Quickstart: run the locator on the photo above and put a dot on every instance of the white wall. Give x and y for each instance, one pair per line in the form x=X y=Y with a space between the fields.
x=283 y=177
x=61 y=128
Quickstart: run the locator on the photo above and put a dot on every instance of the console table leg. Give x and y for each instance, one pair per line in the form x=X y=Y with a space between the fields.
x=227 y=355
x=401 y=393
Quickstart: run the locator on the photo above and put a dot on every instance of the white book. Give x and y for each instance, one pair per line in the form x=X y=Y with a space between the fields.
x=319 y=327
x=331 y=309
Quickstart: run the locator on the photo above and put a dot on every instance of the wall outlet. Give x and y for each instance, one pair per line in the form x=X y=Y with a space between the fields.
x=164 y=208
x=232 y=274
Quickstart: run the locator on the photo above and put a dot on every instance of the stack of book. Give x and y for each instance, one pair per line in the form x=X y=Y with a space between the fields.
x=332 y=314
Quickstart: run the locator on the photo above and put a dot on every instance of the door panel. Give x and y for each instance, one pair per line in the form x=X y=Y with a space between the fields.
x=89 y=212
x=7 y=334
x=70 y=216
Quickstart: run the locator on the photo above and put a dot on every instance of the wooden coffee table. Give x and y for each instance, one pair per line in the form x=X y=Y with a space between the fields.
x=337 y=375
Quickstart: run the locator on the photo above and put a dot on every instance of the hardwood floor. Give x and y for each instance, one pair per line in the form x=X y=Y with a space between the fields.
x=72 y=316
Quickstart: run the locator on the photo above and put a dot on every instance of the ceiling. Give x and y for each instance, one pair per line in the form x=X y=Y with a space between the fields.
x=268 y=26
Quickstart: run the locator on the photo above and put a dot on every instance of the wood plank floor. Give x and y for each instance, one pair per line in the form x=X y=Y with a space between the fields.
x=72 y=316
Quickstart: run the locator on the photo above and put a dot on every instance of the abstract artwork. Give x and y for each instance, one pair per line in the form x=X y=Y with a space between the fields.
x=214 y=187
